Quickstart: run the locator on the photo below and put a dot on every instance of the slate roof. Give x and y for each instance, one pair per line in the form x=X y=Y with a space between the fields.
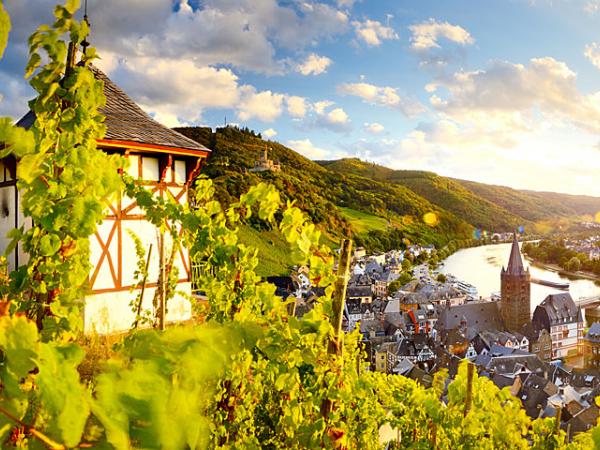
x=560 y=308
x=593 y=334
x=126 y=121
x=515 y=262
x=479 y=316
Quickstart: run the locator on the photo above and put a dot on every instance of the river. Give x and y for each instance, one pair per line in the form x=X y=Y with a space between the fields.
x=480 y=266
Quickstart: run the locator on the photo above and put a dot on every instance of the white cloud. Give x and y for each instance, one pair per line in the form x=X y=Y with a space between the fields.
x=374 y=128
x=333 y=119
x=372 y=32
x=345 y=3
x=381 y=95
x=592 y=52
x=244 y=34
x=511 y=97
x=320 y=106
x=426 y=35
x=265 y=106
x=338 y=116
x=592 y=6
x=296 y=106
x=306 y=148
x=314 y=65
x=269 y=133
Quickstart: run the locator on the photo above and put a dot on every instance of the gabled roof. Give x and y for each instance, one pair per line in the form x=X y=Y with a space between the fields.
x=127 y=122
x=479 y=315
x=560 y=308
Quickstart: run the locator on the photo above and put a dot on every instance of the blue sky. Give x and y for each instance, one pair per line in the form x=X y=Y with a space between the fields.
x=504 y=92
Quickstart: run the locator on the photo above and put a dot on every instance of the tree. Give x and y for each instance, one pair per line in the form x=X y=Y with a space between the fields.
x=441 y=278
x=574 y=264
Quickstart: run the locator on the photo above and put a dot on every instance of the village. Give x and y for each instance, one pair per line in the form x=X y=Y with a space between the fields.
x=433 y=321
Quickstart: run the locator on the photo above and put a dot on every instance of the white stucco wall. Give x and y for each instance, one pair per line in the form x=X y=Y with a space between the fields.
x=111 y=312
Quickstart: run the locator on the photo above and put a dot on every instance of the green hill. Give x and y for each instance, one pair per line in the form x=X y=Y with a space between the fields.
x=342 y=204
x=497 y=208
x=443 y=192
x=379 y=207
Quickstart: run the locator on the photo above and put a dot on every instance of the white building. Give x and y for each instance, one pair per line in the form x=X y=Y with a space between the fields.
x=563 y=319
x=161 y=159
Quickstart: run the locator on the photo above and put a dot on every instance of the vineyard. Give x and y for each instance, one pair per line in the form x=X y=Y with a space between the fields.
x=246 y=373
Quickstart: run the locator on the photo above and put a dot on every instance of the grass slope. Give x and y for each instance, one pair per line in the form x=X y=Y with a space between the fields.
x=497 y=208
x=364 y=222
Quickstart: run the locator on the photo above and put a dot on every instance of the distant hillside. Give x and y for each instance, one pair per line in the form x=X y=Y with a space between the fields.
x=378 y=206
x=444 y=192
x=491 y=207
x=342 y=204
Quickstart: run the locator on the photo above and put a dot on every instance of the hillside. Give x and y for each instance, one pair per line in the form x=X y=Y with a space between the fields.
x=491 y=207
x=379 y=207
x=342 y=204
x=444 y=192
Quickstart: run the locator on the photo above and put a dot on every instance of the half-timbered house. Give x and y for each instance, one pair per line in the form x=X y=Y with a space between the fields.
x=159 y=158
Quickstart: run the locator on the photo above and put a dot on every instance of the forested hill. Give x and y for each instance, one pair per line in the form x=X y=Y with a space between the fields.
x=342 y=204
x=482 y=205
x=378 y=206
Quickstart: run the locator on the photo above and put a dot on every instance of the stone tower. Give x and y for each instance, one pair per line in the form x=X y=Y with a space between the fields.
x=515 y=291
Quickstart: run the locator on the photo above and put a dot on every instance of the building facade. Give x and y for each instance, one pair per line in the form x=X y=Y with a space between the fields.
x=591 y=347
x=162 y=160
x=515 y=291
x=559 y=315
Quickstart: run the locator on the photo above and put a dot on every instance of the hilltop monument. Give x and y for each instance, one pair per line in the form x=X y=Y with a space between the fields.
x=263 y=163
x=515 y=291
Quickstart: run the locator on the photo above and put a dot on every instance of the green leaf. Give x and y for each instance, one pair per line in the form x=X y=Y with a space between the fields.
x=4 y=28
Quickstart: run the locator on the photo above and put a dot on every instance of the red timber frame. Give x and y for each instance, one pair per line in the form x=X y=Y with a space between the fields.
x=118 y=212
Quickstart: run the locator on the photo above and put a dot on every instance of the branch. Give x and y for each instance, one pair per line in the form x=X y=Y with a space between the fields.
x=37 y=434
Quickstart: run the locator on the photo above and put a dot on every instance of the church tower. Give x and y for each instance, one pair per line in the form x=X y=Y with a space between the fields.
x=515 y=291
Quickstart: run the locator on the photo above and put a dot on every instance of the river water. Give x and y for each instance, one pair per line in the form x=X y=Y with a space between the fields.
x=481 y=266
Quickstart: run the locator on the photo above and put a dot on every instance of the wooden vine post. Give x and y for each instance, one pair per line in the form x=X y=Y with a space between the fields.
x=336 y=342
x=469 y=396
x=339 y=297
x=162 y=284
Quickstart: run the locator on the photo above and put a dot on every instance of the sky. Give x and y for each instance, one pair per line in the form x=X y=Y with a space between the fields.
x=498 y=91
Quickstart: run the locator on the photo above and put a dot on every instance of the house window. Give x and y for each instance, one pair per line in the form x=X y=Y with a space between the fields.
x=179 y=168
x=133 y=169
x=150 y=170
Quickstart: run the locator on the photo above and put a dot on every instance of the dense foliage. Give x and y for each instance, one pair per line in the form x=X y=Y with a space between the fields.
x=251 y=375
x=332 y=200
x=496 y=208
x=555 y=252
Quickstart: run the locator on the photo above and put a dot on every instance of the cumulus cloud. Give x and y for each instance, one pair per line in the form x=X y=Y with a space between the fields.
x=314 y=65
x=372 y=32
x=177 y=87
x=592 y=6
x=190 y=44
x=306 y=148
x=426 y=35
x=244 y=34
x=269 y=133
x=508 y=96
x=374 y=128
x=592 y=52
x=326 y=116
x=296 y=106
x=383 y=96
x=345 y=3
x=265 y=105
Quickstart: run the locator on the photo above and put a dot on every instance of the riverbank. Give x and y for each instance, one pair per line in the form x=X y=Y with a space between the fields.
x=579 y=275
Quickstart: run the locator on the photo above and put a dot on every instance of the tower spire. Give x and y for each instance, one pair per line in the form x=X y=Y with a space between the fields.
x=515 y=262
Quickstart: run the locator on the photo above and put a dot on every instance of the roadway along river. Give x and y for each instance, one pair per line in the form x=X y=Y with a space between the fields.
x=480 y=266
